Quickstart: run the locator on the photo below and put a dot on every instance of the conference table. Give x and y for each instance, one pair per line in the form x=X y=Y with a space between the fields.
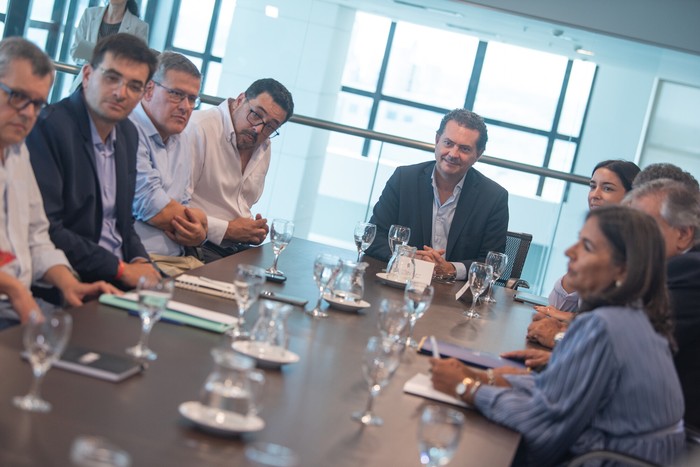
x=306 y=405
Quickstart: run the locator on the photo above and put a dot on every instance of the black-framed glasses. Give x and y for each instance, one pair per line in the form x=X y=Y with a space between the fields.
x=115 y=80
x=256 y=119
x=20 y=101
x=177 y=96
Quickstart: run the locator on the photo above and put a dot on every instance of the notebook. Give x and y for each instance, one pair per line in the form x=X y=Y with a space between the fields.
x=225 y=290
x=420 y=385
x=102 y=365
x=471 y=357
x=530 y=298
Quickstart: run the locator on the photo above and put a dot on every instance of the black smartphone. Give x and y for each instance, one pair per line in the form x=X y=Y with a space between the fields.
x=275 y=277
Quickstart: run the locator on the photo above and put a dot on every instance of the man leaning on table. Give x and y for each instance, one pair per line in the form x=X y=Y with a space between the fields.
x=230 y=147
x=164 y=220
x=456 y=214
x=28 y=256
x=83 y=150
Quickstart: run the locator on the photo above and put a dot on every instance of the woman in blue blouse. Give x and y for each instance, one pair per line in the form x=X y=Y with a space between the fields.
x=610 y=383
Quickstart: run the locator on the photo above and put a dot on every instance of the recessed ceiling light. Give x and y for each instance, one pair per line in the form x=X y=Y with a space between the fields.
x=272 y=11
x=586 y=52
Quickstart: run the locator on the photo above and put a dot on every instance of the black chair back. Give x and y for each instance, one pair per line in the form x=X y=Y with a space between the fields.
x=517 y=246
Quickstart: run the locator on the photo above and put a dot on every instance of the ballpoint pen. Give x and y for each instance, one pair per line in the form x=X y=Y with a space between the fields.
x=434 y=345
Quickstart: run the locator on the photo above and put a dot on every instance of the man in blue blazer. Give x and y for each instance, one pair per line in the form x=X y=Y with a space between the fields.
x=456 y=214
x=83 y=150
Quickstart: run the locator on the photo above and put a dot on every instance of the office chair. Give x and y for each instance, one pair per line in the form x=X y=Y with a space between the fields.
x=517 y=246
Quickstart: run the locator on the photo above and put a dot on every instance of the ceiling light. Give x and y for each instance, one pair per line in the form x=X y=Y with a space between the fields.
x=586 y=52
x=272 y=11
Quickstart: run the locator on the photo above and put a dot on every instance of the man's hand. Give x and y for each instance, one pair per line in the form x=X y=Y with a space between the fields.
x=188 y=230
x=442 y=266
x=76 y=293
x=551 y=312
x=543 y=331
x=133 y=272
x=22 y=300
x=244 y=230
x=533 y=358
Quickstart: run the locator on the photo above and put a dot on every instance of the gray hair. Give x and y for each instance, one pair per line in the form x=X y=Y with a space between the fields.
x=17 y=48
x=680 y=204
x=467 y=119
x=665 y=170
x=173 y=61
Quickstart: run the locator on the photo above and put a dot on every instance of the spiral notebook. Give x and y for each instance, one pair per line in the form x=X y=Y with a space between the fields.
x=225 y=290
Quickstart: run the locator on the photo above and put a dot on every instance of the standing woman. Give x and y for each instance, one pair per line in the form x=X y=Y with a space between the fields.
x=101 y=21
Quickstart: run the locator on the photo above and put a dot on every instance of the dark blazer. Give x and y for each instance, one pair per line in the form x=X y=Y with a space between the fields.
x=479 y=225
x=684 y=289
x=61 y=151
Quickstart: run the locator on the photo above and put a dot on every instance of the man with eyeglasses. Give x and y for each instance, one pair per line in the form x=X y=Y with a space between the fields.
x=26 y=253
x=164 y=220
x=230 y=146
x=83 y=150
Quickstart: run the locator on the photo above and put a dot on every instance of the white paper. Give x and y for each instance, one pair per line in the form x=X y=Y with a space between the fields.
x=423 y=272
x=190 y=310
x=420 y=385
x=205 y=282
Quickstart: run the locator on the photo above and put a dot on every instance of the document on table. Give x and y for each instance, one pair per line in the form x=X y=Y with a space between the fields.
x=423 y=271
x=420 y=385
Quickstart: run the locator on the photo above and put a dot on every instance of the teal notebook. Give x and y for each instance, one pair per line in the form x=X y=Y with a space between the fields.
x=184 y=314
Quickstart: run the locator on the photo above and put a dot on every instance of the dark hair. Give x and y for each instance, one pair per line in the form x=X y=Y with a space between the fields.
x=173 y=61
x=18 y=48
x=665 y=170
x=467 y=119
x=126 y=46
x=133 y=7
x=626 y=171
x=280 y=95
x=636 y=244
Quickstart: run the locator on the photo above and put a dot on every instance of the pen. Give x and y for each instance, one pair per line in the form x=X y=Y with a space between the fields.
x=434 y=345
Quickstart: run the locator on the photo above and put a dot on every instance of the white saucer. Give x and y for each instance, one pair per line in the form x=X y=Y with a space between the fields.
x=385 y=279
x=264 y=354
x=345 y=305
x=219 y=420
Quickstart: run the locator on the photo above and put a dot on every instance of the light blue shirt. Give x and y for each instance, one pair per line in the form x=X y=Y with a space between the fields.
x=442 y=221
x=110 y=239
x=163 y=173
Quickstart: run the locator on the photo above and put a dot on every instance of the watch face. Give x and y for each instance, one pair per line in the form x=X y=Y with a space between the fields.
x=461 y=389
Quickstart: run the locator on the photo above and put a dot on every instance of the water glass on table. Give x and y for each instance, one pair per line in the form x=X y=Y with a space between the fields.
x=398 y=235
x=417 y=296
x=438 y=434
x=499 y=262
x=326 y=267
x=479 y=277
x=281 y=232
x=154 y=296
x=248 y=281
x=392 y=320
x=364 y=236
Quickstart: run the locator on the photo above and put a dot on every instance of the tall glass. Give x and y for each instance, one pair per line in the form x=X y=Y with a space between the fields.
x=499 y=262
x=248 y=281
x=417 y=296
x=398 y=235
x=325 y=269
x=44 y=339
x=364 y=236
x=154 y=296
x=281 y=232
x=392 y=320
x=438 y=434
x=380 y=361
x=479 y=277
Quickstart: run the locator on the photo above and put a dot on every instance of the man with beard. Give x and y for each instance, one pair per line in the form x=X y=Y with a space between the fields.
x=230 y=147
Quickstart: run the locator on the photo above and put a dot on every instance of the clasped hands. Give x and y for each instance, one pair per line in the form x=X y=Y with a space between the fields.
x=247 y=230
x=437 y=257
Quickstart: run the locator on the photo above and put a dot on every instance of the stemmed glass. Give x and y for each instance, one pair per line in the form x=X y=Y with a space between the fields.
x=326 y=267
x=248 y=281
x=380 y=361
x=393 y=320
x=499 y=262
x=44 y=339
x=154 y=296
x=417 y=296
x=364 y=236
x=281 y=232
x=479 y=277
x=438 y=434
x=398 y=234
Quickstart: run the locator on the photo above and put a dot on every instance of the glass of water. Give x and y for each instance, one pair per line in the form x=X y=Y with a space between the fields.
x=438 y=434
x=364 y=236
x=417 y=297
x=398 y=235
x=153 y=300
x=281 y=232
x=499 y=262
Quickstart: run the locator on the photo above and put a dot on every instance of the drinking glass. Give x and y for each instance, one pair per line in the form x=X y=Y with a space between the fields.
x=398 y=235
x=393 y=320
x=325 y=268
x=154 y=296
x=44 y=339
x=479 y=278
x=248 y=281
x=499 y=262
x=281 y=232
x=438 y=434
x=381 y=359
x=417 y=296
x=364 y=236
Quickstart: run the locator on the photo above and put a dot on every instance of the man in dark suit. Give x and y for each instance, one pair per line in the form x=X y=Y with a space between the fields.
x=456 y=214
x=83 y=150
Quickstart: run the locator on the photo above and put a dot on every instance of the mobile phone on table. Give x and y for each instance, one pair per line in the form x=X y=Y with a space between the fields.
x=275 y=276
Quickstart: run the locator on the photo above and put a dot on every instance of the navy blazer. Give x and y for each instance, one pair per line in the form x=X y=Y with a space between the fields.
x=62 y=154
x=479 y=225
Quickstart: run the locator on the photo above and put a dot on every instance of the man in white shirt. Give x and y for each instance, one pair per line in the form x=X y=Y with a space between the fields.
x=230 y=147
x=26 y=76
x=164 y=220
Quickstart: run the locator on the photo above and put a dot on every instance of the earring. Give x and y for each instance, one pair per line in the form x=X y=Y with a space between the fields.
x=618 y=283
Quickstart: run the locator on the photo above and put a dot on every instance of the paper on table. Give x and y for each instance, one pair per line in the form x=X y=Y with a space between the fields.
x=423 y=271
x=420 y=385
x=190 y=310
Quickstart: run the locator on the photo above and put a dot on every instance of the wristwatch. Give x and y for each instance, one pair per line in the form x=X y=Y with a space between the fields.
x=558 y=337
x=465 y=384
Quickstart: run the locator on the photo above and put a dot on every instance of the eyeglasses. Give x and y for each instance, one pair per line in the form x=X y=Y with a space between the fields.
x=256 y=119
x=176 y=96
x=115 y=80
x=20 y=101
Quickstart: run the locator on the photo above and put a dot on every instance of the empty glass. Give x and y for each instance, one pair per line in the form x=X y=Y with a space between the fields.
x=479 y=278
x=499 y=262
x=438 y=434
x=381 y=359
x=364 y=236
x=44 y=339
x=248 y=281
x=392 y=320
x=398 y=235
x=349 y=283
x=417 y=297
x=402 y=265
x=269 y=334
x=325 y=269
x=154 y=296
x=281 y=232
